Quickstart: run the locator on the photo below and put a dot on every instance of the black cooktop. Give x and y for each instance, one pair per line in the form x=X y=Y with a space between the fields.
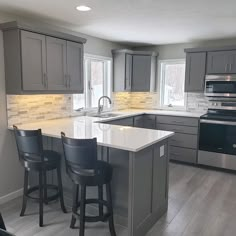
x=223 y=115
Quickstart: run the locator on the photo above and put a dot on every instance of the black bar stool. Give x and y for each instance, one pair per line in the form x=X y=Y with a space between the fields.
x=2 y=225
x=85 y=170
x=34 y=157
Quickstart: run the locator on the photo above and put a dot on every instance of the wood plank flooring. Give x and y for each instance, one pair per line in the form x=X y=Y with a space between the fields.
x=202 y=202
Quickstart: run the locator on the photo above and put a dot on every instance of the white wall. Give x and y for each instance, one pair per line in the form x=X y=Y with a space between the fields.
x=176 y=51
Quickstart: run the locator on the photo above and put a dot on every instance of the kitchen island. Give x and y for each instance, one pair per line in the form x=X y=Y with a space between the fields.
x=140 y=166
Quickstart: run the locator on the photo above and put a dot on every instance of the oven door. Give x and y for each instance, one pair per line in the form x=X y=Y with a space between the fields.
x=220 y=88
x=218 y=136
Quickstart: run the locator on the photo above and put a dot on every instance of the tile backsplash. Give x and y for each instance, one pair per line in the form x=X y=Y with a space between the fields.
x=31 y=108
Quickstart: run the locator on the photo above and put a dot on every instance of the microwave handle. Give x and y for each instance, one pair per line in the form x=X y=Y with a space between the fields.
x=219 y=122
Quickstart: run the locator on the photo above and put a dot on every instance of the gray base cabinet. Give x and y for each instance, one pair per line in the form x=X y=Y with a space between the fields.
x=37 y=62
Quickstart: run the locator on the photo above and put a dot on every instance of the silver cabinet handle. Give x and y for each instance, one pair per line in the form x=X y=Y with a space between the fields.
x=230 y=66
x=226 y=66
x=69 y=81
x=44 y=80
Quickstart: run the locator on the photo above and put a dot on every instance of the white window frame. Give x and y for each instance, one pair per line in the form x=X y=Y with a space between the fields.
x=161 y=85
x=107 y=86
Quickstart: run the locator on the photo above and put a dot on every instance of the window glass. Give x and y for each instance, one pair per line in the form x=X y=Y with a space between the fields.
x=97 y=82
x=172 y=83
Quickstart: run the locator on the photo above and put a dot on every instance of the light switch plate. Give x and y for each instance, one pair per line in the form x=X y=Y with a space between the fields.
x=162 y=151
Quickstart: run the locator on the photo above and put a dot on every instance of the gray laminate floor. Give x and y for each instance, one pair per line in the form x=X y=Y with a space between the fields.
x=202 y=202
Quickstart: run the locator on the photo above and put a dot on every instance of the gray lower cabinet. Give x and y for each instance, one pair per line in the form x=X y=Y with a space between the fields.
x=145 y=121
x=195 y=71
x=184 y=144
x=123 y=122
x=134 y=70
x=36 y=62
x=139 y=121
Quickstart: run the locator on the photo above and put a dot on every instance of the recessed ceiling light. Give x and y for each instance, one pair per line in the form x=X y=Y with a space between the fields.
x=83 y=8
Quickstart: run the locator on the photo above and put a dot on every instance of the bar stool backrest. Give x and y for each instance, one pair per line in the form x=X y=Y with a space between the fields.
x=79 y=153
x=29 y=144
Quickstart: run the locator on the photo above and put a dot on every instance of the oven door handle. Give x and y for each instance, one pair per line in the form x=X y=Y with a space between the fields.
x=219 y=122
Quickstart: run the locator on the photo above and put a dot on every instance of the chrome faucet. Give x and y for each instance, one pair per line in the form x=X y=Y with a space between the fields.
x=100 y=107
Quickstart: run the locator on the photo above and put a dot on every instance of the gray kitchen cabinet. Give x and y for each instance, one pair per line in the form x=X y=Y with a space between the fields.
x=221 y=62
x=184 y=144
x=74 y=55
x=41 y=61
x=56 y=64
x=141 y=72
x=128 y=71
x=160 y=178
x=195 y=71
x=33 y=57
x=139 y=121
x=123 y=122
x=134 y=71
x=149 y=121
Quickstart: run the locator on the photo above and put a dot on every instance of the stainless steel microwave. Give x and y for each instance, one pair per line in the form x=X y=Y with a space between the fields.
x=220 y=86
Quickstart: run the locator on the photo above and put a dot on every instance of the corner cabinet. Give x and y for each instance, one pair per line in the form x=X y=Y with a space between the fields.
x=195 y=71
x=42 y=63
x=134 y=71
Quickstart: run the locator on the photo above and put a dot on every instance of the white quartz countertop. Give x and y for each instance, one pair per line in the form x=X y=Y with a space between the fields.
x=114 y=136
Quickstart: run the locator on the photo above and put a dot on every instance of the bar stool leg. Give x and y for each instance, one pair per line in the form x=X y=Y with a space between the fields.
x=45 y=191
x=82 y=210
x=110 y=209
x=100 y=197
x=60 y=189
x=25 y=193
x=75 y=204
x=41 y=198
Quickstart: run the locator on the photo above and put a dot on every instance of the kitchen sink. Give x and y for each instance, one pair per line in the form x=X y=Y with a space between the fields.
x=105 y=115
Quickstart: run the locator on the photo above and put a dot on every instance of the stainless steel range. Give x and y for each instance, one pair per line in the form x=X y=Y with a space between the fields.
x=217 y=143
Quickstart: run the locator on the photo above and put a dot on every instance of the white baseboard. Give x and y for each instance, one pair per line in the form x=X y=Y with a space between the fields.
x=11 y=196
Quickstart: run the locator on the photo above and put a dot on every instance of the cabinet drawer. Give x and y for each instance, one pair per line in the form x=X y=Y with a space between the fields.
x=176 y=120
x=183 y=154
x=178 y=128
x=184 y=140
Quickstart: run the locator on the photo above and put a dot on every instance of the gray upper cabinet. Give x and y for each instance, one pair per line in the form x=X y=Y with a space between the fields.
x=134 y=70
x=56 y=64
x=195 y=71
x=141 y=73
x=42 y=62
x=218 y=62
x=74 y=78
x=33 y=53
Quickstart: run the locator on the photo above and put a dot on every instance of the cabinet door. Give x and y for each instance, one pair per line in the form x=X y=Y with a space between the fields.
x=128 y=71
x=149 y=122
x=232 y=62
x=119 y=72
x=33 y=53
x=141 y=73
x=195 y=72
x=138 y=121
x=56 y=64
x=75 y=67
x=218 y=62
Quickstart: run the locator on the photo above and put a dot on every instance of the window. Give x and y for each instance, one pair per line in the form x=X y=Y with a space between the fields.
x=97 y=82
x=172 y=81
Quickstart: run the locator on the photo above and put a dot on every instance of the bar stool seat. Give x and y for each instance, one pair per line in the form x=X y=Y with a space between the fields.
x=34 y=158
x=85 y=170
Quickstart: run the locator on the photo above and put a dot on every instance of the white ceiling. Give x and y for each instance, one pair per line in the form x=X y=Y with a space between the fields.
x=136 y=21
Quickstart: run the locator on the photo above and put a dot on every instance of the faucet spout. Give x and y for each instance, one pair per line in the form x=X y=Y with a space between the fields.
x=100 y=107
